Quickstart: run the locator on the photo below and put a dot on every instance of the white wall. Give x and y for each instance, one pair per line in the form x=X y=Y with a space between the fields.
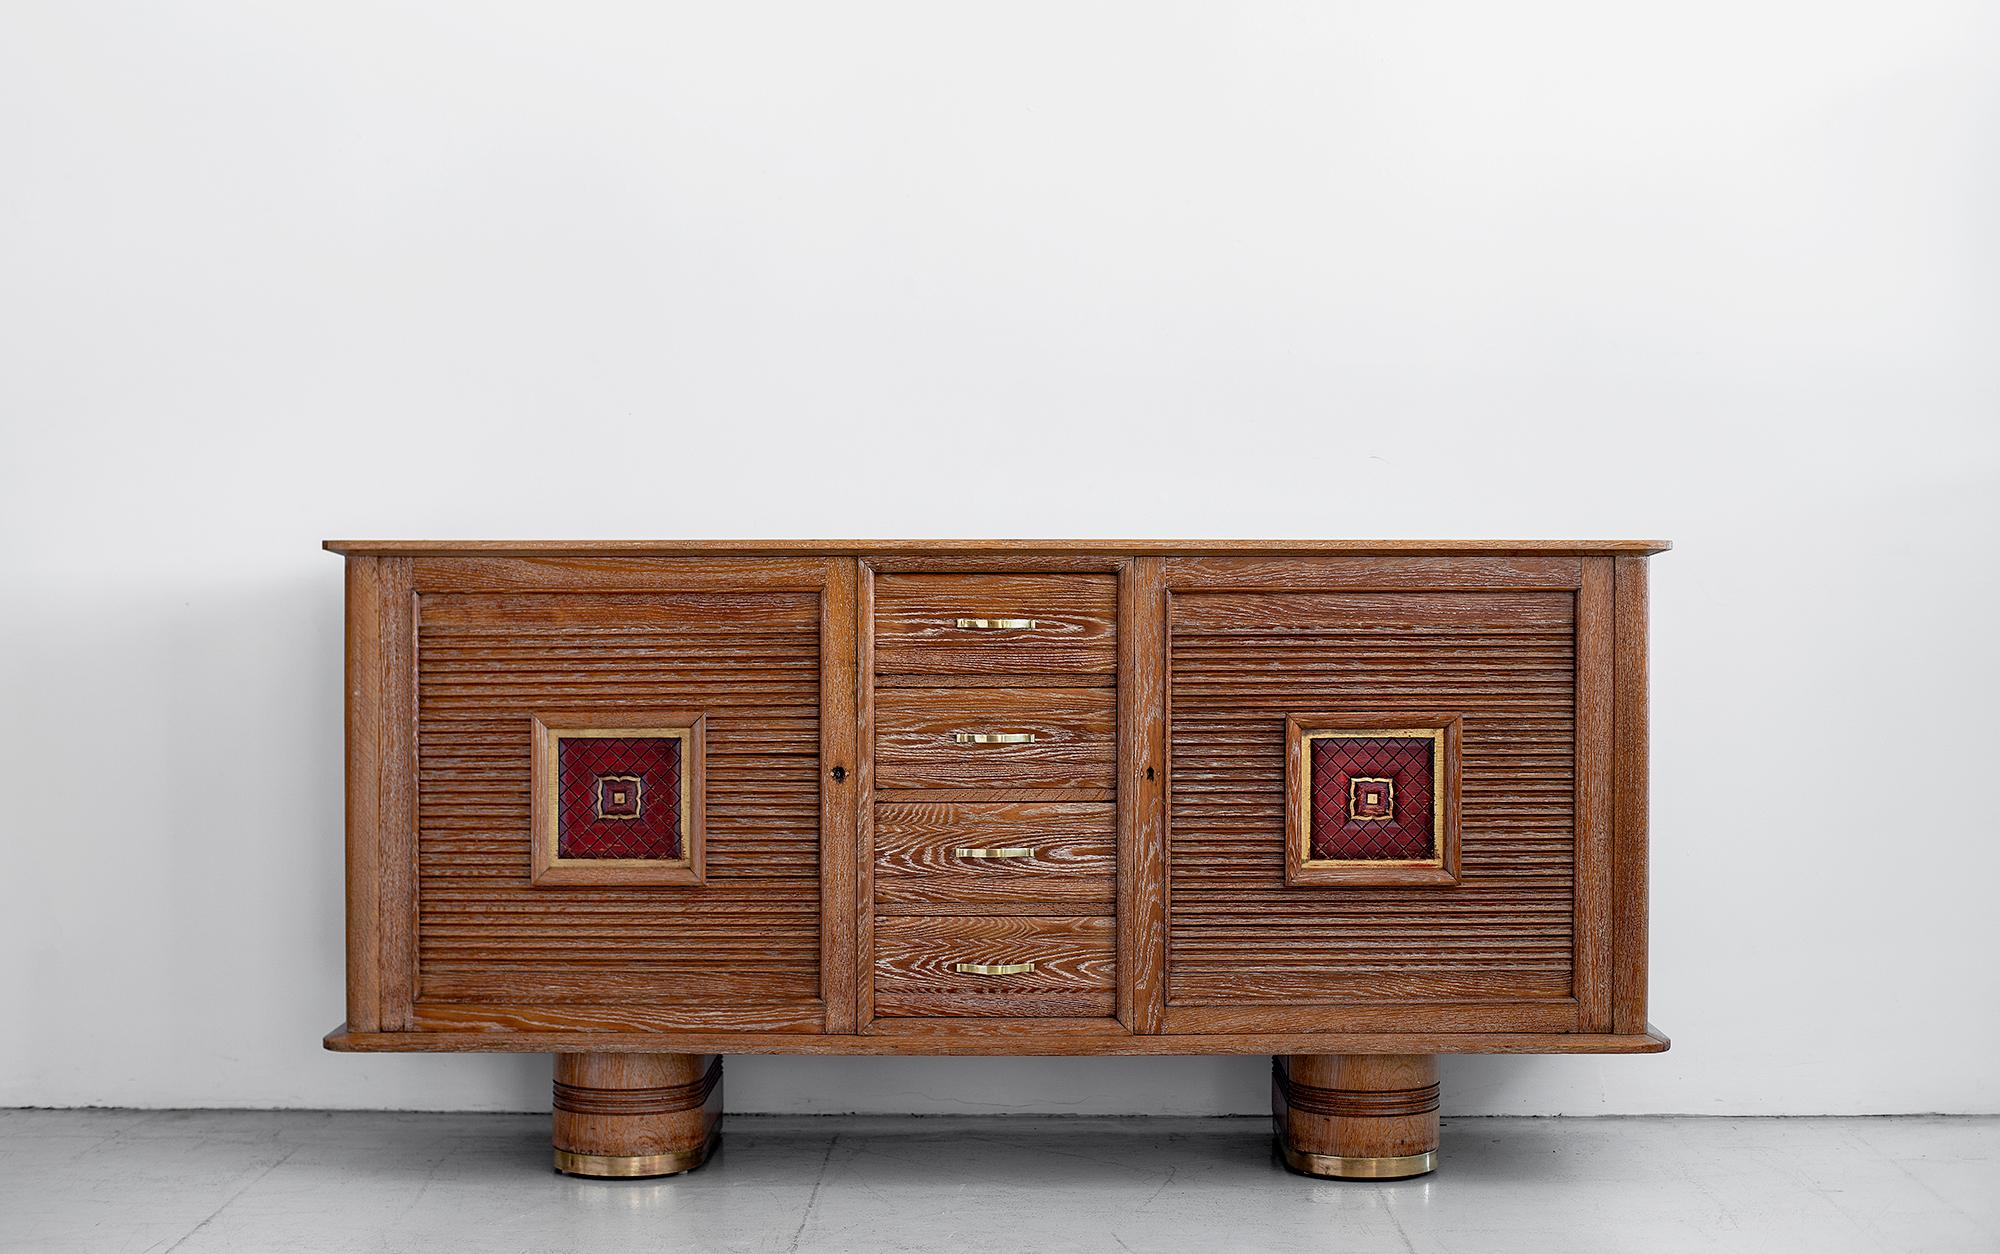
x=1721 y=272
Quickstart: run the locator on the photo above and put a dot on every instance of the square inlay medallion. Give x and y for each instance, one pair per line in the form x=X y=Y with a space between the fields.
x=1372 y=800
x=617 y=803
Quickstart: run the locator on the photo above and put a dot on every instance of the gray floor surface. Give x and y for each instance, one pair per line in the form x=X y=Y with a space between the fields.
x=271 y=1182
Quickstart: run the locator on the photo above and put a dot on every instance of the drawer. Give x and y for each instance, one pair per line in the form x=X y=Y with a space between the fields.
x=997 y=624
x=931 y=854
x=917 y=966
x=1046 y=737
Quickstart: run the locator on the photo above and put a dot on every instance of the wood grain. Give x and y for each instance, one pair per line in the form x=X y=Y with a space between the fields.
x=1075 y=965
x=512 y=1032
x=1556 y=1015
x=1073 y=729
x=598 y=573
x=841 y=798
x=1378 y=574
x=863 y=906
x=1240 y=663
x=917 y=632
x=1630 y=783
x=1142 y=795
x=366 y=717
x=750 y=662
x=1593 y=796
x=1003 y=551
x=1355 y=1106
x=1163 y=710
x=1382 y=615
x=624 y=1105
x=398 y=796
x=1072 y=867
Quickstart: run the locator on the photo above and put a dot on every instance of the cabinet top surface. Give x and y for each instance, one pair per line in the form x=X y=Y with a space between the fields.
x=793 y=548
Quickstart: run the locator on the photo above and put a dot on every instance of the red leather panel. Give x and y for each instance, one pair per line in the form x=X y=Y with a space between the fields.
x=1345 y=805
x=618 y=798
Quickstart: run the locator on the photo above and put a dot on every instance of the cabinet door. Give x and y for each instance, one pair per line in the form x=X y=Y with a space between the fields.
x=1384 y=920
x=683 y=888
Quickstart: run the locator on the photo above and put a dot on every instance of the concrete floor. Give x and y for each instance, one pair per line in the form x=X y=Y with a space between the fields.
x=270 y=1182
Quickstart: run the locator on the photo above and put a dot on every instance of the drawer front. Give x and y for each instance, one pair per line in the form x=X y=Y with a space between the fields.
x=997 y=624
x=918 y=966
x=930 y=854
x=994 y=737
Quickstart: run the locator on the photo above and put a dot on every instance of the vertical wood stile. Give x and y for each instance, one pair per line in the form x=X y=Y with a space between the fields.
x=864 y=792
x=1142 y=834
x=841 y=801
x=397 y=793
x=1594 y=663
x=1629 y=783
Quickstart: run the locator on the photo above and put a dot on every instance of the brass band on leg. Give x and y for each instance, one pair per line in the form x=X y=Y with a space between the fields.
x=1334 y=1166
x=635 y=1166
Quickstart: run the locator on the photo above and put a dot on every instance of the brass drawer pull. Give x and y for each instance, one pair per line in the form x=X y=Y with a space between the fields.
x=993 y=968
x=996 y=624
x=1011 y=851
x=993 y=738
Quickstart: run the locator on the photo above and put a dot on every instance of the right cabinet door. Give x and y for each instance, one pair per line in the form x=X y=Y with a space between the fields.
x=1372 y=810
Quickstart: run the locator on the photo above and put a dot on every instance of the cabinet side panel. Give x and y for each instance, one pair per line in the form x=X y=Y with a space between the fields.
x=741 y=948
x=1505 y=662
x=363 y=704
x=1630 y=808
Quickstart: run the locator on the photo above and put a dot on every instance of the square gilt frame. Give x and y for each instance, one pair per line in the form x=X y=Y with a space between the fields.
x=553 y=870
x=1303 y=870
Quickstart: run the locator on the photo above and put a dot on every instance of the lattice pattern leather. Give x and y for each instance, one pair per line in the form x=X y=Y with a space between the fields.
x=593 y=792
x=1405 y=835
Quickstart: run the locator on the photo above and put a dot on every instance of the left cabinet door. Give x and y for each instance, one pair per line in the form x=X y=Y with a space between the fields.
x=615 y=784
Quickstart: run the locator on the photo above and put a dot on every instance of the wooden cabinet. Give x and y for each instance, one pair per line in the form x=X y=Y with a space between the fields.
x=1351 y=805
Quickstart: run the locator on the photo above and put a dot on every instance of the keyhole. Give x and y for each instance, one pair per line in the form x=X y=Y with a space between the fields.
x=839 y=773
x=1149 y=772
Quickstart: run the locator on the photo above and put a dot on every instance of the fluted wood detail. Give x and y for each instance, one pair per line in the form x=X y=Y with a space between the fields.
x=751 y=935
x=1240 y=662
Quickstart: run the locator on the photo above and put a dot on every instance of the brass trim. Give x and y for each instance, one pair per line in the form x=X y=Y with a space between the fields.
x=993 y=738
x=1009 y=851
x=630 y=1166
x=995 y=968
x=1433 y=734
x=997 y=624
x=552 y=822
x=1340 y=1167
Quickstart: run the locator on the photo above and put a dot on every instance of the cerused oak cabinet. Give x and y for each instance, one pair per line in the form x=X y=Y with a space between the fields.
x=1349 y=804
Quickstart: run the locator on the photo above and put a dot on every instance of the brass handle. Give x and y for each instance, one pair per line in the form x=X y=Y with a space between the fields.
x=993 y=738
x=993 y=968
x=996 y=624
x=1010 y=851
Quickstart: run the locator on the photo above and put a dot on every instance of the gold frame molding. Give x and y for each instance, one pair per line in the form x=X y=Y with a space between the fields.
x=1442 y=730
x=549 y=867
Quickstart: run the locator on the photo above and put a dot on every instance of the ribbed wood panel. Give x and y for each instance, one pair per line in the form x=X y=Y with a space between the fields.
x=1239 y=664
x=752 y=932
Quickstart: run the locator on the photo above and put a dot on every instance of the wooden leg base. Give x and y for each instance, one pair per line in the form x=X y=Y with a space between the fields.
x=1356 y=1116
x=623 y=1116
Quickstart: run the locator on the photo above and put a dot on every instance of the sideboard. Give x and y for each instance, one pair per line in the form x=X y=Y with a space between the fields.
x=1349 y=804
